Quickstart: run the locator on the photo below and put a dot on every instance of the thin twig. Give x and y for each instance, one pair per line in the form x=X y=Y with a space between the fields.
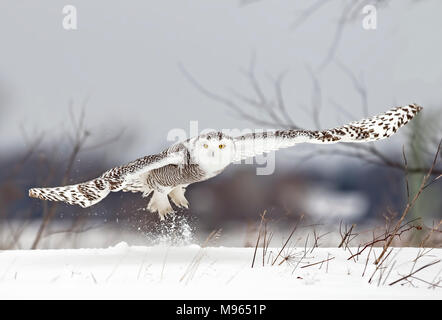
x=313 y=264
x=414 y=272
x=259 y=236
x=288 y=239
x=409 y=205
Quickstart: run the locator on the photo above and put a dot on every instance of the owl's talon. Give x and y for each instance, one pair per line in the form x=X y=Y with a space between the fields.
x=177 y=197
x=165 y=215
x=160 y=203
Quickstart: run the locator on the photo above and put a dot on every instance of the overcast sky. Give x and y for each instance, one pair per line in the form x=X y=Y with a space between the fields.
x=125 y=58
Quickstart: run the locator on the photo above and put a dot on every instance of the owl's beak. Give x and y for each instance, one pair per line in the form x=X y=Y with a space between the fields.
x=210 y=153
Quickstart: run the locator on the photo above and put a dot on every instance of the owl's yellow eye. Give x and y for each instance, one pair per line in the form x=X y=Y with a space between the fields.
x=205 y=145
x=222 y=146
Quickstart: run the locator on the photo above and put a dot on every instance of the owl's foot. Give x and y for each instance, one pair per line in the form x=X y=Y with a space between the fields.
x=177 y=196
x=160 y=203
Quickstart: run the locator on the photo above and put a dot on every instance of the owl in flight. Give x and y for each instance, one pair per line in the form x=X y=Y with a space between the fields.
x=167 y=174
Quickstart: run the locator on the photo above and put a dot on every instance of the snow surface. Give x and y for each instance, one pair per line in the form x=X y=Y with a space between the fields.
x=193 y=272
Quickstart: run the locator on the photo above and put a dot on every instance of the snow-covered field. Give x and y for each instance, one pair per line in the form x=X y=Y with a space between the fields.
x=194 y=272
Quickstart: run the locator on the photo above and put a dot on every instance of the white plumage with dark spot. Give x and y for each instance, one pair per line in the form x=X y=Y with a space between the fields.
x=167 y=174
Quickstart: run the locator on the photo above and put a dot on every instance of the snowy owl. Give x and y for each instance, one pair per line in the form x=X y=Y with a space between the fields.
x=167 y=174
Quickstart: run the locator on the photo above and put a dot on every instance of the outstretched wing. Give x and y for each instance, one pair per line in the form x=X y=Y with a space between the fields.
x=130 y=177
x=375 y=128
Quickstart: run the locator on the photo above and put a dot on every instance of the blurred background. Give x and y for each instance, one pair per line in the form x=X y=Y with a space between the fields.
x=74 y=103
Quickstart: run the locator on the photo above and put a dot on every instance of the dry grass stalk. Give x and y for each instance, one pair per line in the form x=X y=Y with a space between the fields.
x=346 y=235
x=288 y=239
x=379 y=266
x=414 y=272
x=428 y=236
x=303 y=256
x=316 y=263
x=316 y=238
x=409 y=205
x=194 y=264
x=259 y=236
x=366 y=261
x=266 y=243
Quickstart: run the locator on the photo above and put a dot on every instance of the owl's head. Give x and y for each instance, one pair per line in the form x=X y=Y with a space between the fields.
x=213 y=151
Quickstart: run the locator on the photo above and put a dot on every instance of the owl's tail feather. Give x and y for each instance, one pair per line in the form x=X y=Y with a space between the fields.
x=83 y=194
